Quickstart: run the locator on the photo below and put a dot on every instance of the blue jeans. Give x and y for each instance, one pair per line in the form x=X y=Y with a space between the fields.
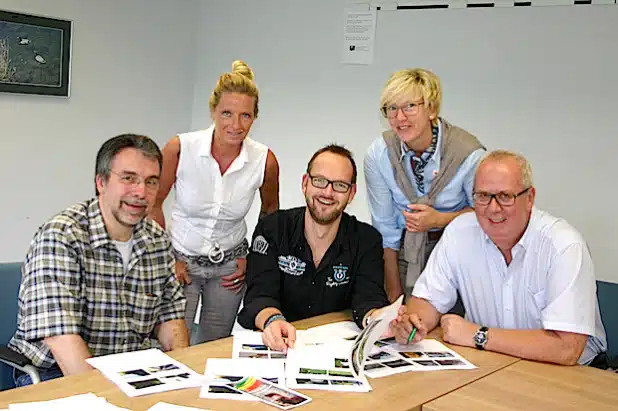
x=22 y=379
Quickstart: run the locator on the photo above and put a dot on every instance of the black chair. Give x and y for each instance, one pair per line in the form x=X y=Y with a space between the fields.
x=608 y=305
x=10 y=279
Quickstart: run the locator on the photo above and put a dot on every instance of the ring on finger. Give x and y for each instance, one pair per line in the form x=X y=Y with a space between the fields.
x=236 y=281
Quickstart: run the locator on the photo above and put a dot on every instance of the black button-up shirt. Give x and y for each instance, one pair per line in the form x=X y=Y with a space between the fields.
x=281 y=272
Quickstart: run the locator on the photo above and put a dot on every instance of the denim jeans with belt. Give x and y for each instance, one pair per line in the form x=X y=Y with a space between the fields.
x=219 y=304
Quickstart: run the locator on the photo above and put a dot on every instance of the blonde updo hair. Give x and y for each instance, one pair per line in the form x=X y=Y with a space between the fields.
x=414 y=83
x=239 y=80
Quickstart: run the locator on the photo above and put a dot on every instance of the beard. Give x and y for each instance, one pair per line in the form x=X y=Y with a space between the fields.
x=127 y=219
x=323 y=218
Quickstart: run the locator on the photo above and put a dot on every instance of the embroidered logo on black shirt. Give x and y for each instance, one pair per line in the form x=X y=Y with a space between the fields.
x=340 y=276
x=291 y=265
x=260 y=245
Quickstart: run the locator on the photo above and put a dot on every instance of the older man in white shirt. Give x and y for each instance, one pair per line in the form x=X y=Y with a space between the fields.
x=526 y=278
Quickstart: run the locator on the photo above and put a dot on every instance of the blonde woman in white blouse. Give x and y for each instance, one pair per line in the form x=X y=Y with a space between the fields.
x=216 y=173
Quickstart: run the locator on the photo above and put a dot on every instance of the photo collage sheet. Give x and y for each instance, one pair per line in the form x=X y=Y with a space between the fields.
x=388 y=358
x=146 y=372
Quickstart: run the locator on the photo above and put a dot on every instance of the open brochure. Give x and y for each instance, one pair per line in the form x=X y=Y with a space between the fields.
x=222 y=373
x=146 y=372
x=323 y=367
x=364 y=342
x=332 y=357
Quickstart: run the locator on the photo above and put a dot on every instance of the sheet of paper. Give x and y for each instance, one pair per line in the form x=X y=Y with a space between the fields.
x=270 y=393
x=164 y=406
x=427 y=355
x=87 y=401
x=342 y=329
x=248 y=344
x=364 y=343
x=146 y=372
x=221 y=373
x=359 y=36
x=324 y=367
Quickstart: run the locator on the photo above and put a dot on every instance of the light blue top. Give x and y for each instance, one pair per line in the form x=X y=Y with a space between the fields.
x=387 y=201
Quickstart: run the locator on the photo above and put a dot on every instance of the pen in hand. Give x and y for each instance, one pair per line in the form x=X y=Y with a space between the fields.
x=412 y=334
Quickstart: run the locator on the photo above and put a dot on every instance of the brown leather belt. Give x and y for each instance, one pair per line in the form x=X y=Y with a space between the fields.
x=434 y=235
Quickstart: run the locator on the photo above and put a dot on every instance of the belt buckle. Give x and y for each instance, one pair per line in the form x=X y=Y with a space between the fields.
x=216 y=254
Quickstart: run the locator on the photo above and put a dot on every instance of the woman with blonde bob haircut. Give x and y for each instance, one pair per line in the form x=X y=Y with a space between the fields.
x=419 y=175
x=216 y=173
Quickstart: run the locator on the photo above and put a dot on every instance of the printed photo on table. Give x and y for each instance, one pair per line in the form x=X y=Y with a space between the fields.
x=257 y=347
x=140 y=385
x=312 y=371
x=159 y=368
x=341 y=363
x=177 y=378
x=246 y=354
x=450 y=362
x=411 y=354
x=382 y=355
x=397 y=363
x=346 y=374
x=442 y=354
x=311 y=381
x=342 y=382
x=426 y=363
x=222 y=389
x=134 y=373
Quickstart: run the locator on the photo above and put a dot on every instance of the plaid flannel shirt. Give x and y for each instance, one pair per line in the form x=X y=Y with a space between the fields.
x=74 y=282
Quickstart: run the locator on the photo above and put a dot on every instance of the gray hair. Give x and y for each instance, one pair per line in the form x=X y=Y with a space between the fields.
x=524 y=165
x=114 y=145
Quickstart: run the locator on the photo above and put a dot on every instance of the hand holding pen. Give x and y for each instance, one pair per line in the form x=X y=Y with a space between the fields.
x=408 y=328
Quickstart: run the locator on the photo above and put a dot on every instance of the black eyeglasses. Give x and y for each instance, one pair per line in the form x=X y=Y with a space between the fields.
x=504 y=199
x=323 y=182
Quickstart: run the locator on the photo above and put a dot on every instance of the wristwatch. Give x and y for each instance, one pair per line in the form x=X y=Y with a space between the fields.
x=480 y=338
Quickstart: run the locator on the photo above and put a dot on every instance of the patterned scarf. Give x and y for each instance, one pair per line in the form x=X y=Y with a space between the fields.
x=418 y=164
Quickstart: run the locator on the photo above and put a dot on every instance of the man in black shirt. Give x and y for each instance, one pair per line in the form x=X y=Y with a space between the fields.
x=316 y=259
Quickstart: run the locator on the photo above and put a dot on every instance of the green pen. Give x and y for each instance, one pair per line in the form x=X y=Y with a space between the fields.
x=412 y=334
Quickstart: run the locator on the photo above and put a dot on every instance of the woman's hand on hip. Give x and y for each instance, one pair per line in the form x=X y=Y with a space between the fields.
x=236 y=280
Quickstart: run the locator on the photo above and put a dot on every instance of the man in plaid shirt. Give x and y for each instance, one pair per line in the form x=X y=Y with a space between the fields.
x=99 y=277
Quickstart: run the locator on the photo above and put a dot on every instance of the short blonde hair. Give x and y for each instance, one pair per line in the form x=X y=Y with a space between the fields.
x=415 y=82
x=239 y=80
x=524 y=165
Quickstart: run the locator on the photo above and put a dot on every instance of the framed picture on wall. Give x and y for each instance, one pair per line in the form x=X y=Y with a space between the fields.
x=35 y=54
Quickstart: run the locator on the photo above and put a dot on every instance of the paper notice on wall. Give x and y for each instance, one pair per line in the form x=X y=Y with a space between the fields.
x=359 y=36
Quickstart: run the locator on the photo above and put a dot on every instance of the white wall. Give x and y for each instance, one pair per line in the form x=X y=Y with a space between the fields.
x=538 y=80
x=132 y=65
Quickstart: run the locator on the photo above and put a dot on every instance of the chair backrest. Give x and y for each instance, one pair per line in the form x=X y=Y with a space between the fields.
x=10 y=279
x=608 y=305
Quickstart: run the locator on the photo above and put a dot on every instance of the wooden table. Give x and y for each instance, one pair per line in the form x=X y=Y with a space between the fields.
x=528 y=385
x=400 y=392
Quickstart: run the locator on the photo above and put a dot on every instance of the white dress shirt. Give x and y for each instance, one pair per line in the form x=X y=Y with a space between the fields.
x=549 y=284
x=211 y=208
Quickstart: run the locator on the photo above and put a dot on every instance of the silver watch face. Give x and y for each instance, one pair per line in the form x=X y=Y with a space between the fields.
x=480 y=338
